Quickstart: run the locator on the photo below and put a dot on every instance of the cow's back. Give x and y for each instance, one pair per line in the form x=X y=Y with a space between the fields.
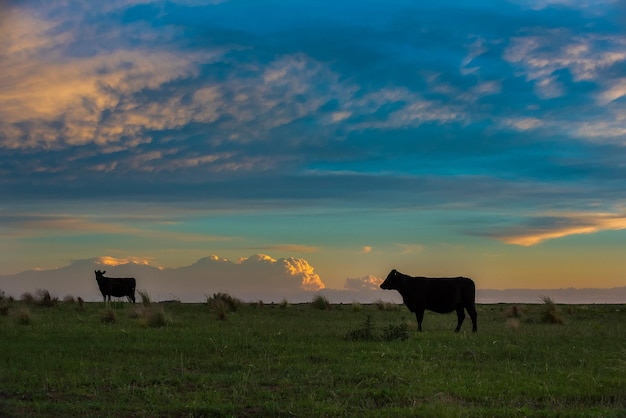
x=444 y=295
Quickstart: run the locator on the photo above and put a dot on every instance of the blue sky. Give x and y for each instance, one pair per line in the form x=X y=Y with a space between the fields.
x=481 y=138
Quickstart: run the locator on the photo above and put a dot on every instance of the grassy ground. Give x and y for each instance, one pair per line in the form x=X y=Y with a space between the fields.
x=272 y=360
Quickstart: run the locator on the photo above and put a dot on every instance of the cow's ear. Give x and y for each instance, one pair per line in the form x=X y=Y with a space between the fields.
x=104 y=271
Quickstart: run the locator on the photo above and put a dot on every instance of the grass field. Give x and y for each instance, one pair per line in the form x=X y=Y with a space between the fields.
x=296 y=360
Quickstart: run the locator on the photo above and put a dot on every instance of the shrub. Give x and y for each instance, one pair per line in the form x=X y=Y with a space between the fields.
x=23 y=316
x=108 y=316
x=550 y=313
x=320 y=302
x=284 y=303
x=44 y=299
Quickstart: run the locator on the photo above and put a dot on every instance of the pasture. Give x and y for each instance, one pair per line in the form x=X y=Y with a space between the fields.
x=295 y=360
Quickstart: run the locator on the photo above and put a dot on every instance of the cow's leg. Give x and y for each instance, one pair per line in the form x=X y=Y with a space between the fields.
x=419 y=315
x=460 y=313
x=471 y=310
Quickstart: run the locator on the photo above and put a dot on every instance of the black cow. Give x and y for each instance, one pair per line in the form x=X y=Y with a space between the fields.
x=116 y=286
x=440 y=295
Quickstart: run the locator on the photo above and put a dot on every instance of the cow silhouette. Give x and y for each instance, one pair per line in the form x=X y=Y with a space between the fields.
x=116 y=286
x=442 y=295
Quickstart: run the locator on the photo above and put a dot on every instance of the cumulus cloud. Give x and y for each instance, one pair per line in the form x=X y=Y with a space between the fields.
x=363 y=283
x=258 y=277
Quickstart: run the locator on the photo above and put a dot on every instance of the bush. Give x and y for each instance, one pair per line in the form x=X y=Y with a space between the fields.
x=320 y=302
x=284 y=303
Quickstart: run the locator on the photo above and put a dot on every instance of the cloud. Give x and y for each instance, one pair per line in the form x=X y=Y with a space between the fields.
x=363 y=283
x=553 y=226
x=366 y=249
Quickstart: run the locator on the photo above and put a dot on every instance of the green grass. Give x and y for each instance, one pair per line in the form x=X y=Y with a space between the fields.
x=298 y=362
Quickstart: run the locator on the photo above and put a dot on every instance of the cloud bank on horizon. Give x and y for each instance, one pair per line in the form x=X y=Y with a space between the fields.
x=254 y=278
x=211 y=124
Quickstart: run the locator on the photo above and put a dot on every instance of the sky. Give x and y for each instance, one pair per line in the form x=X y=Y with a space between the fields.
x=479 y=138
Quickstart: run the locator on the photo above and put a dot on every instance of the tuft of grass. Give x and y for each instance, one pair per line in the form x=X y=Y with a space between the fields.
x=45 y=299
x=386 y=306
x=356 y=307
x=550 y=314
x=155 y=317
x=284 y=303
x=69 y=299
x=145 y=298
x=23 y=316
x=108 y=316
x=320 y=302
x=4 y=307
x=222 y=304
x=81 y=304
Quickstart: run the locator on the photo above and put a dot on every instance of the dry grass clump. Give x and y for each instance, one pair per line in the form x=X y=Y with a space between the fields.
x=154 y=317
x=320 y=302
x=145 y=298
x=222 y=304
x=550 y=314
x=45 y=299
x=108 y=316
x=4 y=307
x=23 y=316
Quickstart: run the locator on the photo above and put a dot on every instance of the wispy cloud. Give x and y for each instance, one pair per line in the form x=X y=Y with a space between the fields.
x=552 y=226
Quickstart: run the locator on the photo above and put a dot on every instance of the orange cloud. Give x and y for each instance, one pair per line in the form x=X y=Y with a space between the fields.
x=560 y=226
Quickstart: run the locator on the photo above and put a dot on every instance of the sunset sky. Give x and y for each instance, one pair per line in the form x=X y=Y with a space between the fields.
x=478 y=138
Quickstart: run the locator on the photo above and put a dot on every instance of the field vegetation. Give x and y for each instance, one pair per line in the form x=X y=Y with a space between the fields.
x=204 y=360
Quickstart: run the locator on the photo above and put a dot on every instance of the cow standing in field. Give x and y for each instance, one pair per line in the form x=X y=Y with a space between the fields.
x=440 y=295
x=116 y=286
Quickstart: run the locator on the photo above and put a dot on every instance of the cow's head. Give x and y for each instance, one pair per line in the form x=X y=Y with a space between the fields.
x=99 y=274
x=392 y=281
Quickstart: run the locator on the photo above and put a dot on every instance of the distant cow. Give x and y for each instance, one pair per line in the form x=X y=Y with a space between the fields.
x=440 y=295
x=116 y=286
